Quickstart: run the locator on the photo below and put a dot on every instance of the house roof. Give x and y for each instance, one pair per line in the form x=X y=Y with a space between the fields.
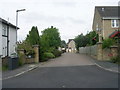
x=114 y=34
x=70 y=40
x=8 y=23
x=107 y=11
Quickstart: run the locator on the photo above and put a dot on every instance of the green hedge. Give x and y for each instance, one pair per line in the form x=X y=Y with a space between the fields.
x=107 y=43
x=47 y=55
x=56 y=52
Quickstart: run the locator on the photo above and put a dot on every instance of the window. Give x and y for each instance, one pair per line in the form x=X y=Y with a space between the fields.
x=4 y=30
x=115 y=23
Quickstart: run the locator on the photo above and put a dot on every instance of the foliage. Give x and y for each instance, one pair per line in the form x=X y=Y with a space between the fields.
x=63 y=44
x=92 y=38
x=21 y=57
x=50 y=38
x=89 y=39
x=107 y=43
x=115 y=59
x=33 y=37
x=56 y=52
x=27 y=47
x=47 y=56
x=49 y=42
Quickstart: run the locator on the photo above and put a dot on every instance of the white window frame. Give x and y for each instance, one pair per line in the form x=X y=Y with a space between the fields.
x=4 y=30
x=114 y=22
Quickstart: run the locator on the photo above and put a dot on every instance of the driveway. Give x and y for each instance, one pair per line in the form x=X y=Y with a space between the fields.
x=68 y=71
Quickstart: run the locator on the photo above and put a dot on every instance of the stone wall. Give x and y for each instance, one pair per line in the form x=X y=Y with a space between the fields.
x=5 y=61
x=23 y=58
x=98 y=53
x=27 y=60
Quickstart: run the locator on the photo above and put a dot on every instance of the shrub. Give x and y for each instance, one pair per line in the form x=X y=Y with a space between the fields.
x=115 y=59
x=107 y=43
x=56 y=52
x=21 y=57
x=47 y=56
x=27 y=47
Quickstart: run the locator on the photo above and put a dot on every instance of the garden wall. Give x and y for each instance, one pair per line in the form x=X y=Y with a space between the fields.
x=98 y=53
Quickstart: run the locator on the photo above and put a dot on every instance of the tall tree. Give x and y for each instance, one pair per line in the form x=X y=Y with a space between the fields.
x=33 y=37
x=89 y=39
x=50 y=38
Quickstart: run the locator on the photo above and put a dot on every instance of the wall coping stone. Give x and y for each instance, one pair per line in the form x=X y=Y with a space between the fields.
x=99 y=42
x=35 y=45
x=113 y=46
x=20 y=50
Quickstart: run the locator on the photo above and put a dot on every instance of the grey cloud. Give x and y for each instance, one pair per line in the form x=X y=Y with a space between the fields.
x=36 y=17
x=64 y=4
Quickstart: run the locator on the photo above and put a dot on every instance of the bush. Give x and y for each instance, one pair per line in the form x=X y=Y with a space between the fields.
x=21 y=59
x=47 y=56
x=107 y=43
x=115 y=59
x=56 y=52
x=27 y=47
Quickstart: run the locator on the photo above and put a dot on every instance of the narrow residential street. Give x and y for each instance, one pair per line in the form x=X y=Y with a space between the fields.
x=68 y=71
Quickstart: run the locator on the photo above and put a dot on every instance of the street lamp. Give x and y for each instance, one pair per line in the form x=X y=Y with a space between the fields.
x=17 y=26
x=17 y=21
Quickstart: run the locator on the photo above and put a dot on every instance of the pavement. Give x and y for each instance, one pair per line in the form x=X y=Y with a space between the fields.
x=57 y=62
x=19 y=71
x=107 y=65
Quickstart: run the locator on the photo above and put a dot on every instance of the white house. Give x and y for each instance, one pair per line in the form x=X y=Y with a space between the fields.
x=8 y=35
x=71 y=46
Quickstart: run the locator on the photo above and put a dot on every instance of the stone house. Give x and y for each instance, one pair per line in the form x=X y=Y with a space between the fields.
x=71 y=47
x=106 y=21
x=8 y=38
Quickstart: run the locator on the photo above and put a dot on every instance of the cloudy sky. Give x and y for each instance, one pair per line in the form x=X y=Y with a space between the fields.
x=71 y=17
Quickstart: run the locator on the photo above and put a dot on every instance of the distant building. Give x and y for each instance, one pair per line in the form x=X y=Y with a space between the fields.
x=71 y=47
x=106 y=21
x=7 y=38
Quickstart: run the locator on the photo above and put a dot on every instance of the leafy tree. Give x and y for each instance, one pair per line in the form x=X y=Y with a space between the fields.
x=50 y=38
x=81 y=41
x=92 y=38
x=89 y=39
x=63 y=44
x=49 y=42
x=33 y=37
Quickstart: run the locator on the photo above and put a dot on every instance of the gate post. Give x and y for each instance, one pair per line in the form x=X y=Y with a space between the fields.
x=36 y=49
x=99 y=51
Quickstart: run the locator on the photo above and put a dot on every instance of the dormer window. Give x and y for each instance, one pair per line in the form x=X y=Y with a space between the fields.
x=115 y=23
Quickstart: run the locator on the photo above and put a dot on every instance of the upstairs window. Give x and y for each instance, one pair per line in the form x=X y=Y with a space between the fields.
x=4 y=30
x=115 y=23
